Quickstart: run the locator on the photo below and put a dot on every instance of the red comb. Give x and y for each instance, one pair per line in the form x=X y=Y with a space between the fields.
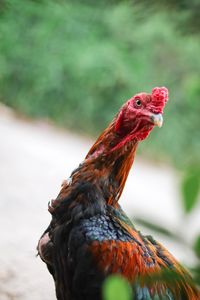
x=160 y=94
x=159 y=97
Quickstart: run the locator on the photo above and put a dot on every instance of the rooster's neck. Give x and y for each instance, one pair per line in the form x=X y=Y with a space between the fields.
x=111 y=163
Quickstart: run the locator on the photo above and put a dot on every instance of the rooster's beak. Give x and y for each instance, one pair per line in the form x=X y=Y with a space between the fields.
x=157 y=119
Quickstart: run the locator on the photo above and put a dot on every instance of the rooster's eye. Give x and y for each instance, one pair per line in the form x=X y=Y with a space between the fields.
x=138 y=103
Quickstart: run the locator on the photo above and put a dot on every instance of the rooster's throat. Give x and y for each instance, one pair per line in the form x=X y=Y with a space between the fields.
x=114 y=167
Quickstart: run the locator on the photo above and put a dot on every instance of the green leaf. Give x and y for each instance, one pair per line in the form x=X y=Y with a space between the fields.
x=197 y=246
x=190 y=190
x=116 y=288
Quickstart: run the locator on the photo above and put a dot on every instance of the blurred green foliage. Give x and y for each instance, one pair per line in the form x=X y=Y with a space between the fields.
x=197 y=247
x=76 y=62
x=186 y=14
x=190 y=189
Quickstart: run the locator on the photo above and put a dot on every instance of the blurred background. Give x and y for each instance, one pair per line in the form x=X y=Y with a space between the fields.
x=66 y=67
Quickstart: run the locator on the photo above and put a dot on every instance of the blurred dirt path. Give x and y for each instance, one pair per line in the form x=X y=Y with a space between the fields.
x=34 y=159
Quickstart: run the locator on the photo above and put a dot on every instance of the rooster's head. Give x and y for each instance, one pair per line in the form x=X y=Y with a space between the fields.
x=140 y=114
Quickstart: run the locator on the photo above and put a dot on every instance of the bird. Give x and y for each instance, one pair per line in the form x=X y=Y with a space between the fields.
x=90 y=237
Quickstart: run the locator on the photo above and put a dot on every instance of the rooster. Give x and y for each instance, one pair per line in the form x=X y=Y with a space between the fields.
x=90 y=237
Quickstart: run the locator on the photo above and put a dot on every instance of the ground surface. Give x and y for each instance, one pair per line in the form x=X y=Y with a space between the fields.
x=34 y=159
